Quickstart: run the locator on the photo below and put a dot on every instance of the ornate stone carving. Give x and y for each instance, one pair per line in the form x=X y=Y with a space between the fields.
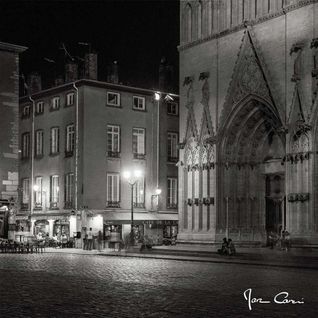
x=248 y=77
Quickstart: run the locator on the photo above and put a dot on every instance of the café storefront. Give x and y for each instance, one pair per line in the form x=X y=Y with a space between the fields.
x=157 y=226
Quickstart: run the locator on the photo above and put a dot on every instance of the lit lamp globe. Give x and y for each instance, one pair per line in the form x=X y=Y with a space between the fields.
x=157 y=96
x=158 y=191
x=36 y=188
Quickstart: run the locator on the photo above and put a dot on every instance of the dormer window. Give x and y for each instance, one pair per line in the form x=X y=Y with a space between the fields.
x=113 y=99
x=138 y=103
x=69 y=99
x=39 y=108
x=26 y=111
x=172 y=108
x=55 y=103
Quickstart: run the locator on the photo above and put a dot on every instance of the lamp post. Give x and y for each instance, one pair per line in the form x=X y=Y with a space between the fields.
x=132 y=177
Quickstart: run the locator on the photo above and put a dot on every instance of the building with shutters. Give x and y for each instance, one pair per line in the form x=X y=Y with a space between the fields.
x=248 y=120
x=70 y=184
x=9 y=105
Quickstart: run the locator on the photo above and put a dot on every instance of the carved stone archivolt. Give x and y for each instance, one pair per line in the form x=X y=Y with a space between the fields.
x=249 y=78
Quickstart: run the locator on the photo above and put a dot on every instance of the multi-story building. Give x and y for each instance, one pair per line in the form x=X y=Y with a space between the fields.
x=9 y=106
x=248 y=120
x=86 y=134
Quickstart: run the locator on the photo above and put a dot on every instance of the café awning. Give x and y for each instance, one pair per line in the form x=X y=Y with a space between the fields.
x=149 y=216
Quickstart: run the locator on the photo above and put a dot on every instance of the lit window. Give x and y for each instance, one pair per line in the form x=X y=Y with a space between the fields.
x=172 y=147
x=70 y=138
x=54 y=190
x=55 y=140
x=138 y=103
x=40 y=108
x=69 y=99
x=69 y=190
x=138 y=140
x=113 y=138
x=112 y=189
x=172 y=198
x=172 y=108
x=56 y=102
x=113 y=99
x=25 y=191
x=25 y=145
x=139 y=193
x=39 y=143
x=38 y=192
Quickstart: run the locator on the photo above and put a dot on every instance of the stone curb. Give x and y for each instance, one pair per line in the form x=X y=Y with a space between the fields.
x=193 y=259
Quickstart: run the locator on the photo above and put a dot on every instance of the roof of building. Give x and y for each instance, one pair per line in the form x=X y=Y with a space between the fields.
x=12 y=47
x=94 y=83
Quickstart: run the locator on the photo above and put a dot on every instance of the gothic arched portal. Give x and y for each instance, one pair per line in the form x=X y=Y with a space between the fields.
x=251 y=153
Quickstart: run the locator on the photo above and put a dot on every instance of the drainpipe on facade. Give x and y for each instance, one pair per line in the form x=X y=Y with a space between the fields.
x=32 y=163
x=76 y=151
x=78 y=227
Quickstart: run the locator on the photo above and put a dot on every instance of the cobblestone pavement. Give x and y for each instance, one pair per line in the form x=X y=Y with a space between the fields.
x=68 y=285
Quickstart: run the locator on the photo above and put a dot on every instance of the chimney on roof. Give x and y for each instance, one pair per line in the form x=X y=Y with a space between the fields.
x=59 y=81
x=90 y=66
x=34 y=82
x=71 y=72
x=165 y=75
x=112 y=76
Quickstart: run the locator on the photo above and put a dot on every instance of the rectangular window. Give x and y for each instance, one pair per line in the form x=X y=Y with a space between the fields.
x=54 y=191
x=138 y=141
x=69 y=190
x=39 y=143
x=55 y=103
x=139 y=193
x=112 y=189
x=39 y=108
x=69 y=99
x=25 y=193
x=26 y=111
x=172 y=108
x=172 y=147
x=25 y=145
x=38 y=192
x=70 y=139
x=113 y=140
x=113 y=99
x=172 y=199
x=138 y=102
x=55 y=140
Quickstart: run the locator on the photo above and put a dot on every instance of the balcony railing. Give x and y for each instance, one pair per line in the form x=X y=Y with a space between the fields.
x=173 y=159
x=68 y=205
x=68 y=153
x=24 y=206
x=140 y=156
x=113 y=154
x=113 y=204
x=54 y=205
x=139 y=205
x=38 y=206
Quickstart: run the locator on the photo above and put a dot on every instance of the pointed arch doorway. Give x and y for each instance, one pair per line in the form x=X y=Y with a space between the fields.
x=251 y=175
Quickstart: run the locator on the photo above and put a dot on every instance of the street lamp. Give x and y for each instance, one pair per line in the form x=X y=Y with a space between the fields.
x=132 y=177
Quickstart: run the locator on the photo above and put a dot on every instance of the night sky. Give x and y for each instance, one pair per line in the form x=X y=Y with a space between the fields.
x=135 y=33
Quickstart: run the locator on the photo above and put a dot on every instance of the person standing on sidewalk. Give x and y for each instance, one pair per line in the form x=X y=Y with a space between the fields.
x=287 y=241
x=99 y=241
x=90 y=239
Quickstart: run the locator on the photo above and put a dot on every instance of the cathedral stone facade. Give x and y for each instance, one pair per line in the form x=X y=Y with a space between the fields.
x=248 y=120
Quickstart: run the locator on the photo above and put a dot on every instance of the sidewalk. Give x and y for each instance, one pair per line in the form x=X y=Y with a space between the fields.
x=295 y=258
